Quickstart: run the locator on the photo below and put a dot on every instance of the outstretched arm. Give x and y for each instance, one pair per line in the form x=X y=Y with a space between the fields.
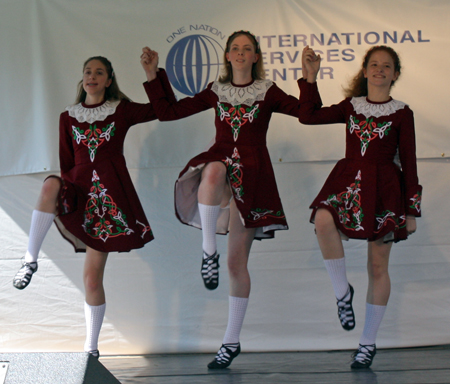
x=161 y=95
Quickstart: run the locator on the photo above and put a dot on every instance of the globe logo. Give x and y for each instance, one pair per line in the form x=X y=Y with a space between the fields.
x=193 y=62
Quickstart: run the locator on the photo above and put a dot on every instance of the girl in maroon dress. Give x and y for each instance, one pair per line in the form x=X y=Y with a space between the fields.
x=93 y=203
x=230 y=187
x=374 y=192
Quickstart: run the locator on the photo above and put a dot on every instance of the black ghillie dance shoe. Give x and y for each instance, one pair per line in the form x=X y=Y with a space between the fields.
x=225 y=356
x=345 y=310
x=23 y=276
x=210 y=270
x=363 y=356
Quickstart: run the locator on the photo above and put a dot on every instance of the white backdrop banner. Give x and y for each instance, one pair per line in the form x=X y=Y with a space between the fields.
x=45 y=42
x=156 y=299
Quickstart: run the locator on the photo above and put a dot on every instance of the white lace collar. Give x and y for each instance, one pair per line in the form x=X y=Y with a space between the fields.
x=364 y=107
x=89 y=115
x=231 y=94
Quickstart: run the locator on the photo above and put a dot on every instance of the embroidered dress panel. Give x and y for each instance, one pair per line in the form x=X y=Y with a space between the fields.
x=237 y=116
x=103 y=219
x=347 y=205
x=93 y=137
x=235 y=174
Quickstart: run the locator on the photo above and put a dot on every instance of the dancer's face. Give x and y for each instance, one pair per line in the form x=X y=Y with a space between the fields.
x=95 y=79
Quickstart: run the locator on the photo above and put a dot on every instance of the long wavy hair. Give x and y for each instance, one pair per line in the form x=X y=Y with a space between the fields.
x=358 y=85
x=258 y=72
x=112 y=92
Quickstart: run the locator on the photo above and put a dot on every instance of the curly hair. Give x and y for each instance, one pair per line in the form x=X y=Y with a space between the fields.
x=358 y=85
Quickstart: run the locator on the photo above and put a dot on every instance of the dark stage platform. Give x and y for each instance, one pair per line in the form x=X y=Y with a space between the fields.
x=430 y=365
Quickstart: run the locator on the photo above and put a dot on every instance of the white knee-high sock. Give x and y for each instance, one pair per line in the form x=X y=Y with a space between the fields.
x=338 y=275
x=94 y=319
x=236 y=313
x=40 y=224
x=374 y=316
x=208 y=217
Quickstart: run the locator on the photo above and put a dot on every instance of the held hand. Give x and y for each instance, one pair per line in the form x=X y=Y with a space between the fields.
x=310 y=64
x=411 y=225
x=149 y=61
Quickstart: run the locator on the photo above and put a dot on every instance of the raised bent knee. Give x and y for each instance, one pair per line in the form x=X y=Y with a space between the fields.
x=214 y=173
x=49 y=195
x=324 y=221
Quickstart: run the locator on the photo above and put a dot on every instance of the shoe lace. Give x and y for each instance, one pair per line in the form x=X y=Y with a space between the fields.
x=224 y=353
x=364 y=353
x=25 y=272
x=210 y=267
x=344 y=309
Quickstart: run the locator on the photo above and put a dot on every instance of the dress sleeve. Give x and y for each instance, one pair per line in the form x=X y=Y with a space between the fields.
x=66 y=152
x=311 y=111
x=283 y=103
x=407 y=153
x=168 y=109
x=136 y=113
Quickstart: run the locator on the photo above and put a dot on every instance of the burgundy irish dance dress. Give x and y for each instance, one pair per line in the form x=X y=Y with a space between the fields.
x=98 y=204
x=242 y=114
x=370 y=191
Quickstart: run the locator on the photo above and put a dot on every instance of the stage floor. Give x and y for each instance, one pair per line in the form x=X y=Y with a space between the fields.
x=430 y=365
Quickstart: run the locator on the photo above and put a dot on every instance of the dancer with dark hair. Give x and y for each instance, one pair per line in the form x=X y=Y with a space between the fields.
x=231 y=187
x=369 y=194
x=93 y=203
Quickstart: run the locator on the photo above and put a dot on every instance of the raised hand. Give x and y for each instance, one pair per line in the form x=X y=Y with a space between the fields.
x=310 y=64
x=149 y=61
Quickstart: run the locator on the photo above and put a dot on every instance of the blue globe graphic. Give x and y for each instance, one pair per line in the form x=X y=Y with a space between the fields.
x=193 y=62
